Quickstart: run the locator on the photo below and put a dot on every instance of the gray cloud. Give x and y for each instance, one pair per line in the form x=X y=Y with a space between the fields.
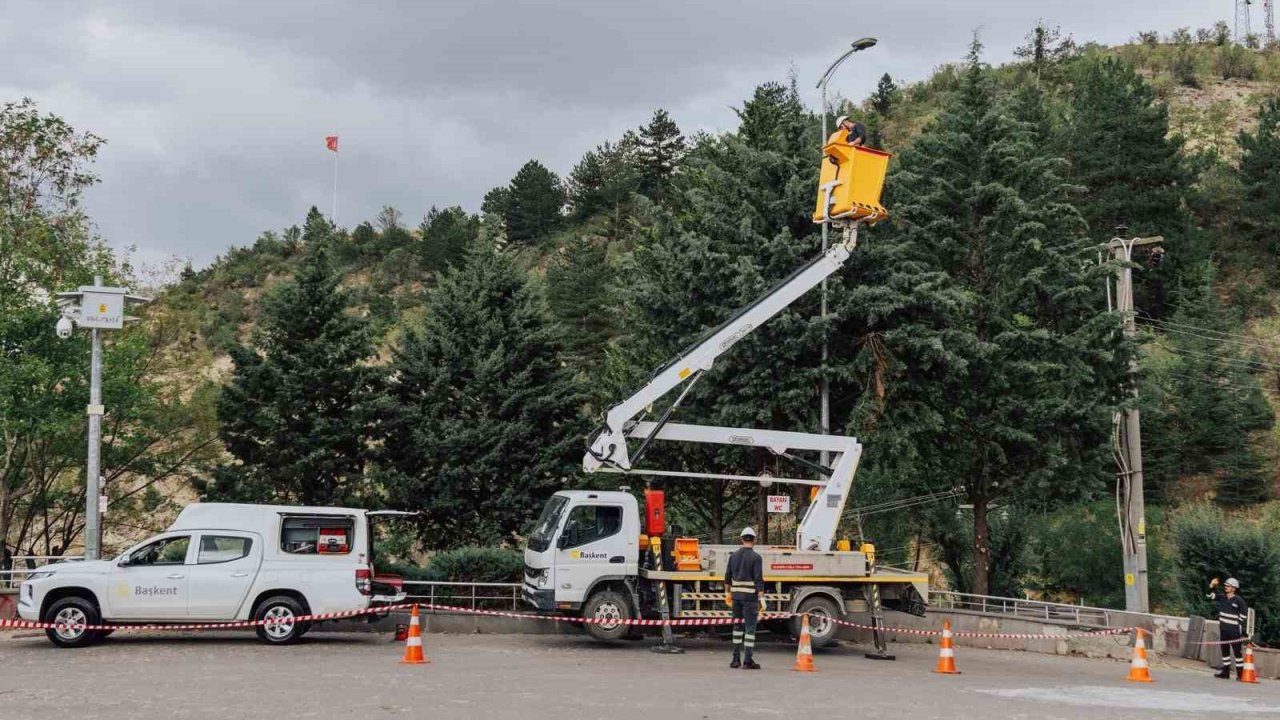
x=216 y=112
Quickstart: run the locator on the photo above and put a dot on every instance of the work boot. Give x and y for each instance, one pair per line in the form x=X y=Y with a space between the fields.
x=750 y=665
x=736 y=663
x=1224 y=673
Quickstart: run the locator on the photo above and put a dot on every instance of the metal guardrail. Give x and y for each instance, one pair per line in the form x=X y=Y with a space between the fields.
x=12 y=578
x=477 y=596
x=1032 y=609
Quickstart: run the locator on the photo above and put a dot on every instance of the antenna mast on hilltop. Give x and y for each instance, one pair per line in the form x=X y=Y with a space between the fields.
x=1243 y=31
x=1269 y=18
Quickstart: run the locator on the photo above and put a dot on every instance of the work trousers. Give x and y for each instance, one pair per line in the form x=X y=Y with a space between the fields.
x=1233 y=649
x=746 y=611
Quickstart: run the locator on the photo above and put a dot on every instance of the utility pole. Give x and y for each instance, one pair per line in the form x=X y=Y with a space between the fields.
x=97 y=308
x=1131 y=503
x=856 y=46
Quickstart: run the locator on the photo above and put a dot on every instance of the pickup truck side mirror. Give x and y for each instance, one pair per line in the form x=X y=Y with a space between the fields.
x=124 y=561
x=563 y=542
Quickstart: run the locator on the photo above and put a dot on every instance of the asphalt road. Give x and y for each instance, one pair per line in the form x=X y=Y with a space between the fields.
x=338 y=675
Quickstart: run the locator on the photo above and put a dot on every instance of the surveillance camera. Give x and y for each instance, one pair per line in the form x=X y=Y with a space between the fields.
x=65 y=327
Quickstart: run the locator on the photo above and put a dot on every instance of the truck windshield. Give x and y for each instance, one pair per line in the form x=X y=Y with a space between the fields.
x=547 y=523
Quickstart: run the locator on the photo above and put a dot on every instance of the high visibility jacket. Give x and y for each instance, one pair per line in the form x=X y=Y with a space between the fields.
x=1233 y=612
x=744 y=576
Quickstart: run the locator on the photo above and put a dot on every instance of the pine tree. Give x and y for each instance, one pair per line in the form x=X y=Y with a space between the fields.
x=604 y=180
x=579 y=282
x=1259 y=174
x=660 y=148
x=1208 y=403
x=1045 y=51
x=1114 y=117
x=485 y=423
x=317 y=228
x=976 y=321
x=775 y=119
x=299 y=411
x=534 y=205
x=446 y=235
x=886 y=95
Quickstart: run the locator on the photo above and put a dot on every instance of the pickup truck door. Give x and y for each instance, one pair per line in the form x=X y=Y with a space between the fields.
x=150 y=581
x=591 y=545
x=225 y=566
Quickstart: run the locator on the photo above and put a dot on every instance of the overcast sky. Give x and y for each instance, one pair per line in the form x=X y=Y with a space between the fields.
x=215 y=112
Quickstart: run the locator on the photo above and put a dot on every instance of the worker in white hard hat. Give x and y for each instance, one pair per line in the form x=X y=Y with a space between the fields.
x=744 y=592
x=849 y=131
x=1232 y=615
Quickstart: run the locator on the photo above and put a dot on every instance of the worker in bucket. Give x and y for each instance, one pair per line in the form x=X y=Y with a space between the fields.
x=744 y=592
x=849 y=131
x=1232 y=614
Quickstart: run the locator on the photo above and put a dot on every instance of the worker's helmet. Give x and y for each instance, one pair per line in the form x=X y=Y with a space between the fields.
x=748 y=532
x=1232 y=582
x=841 y=119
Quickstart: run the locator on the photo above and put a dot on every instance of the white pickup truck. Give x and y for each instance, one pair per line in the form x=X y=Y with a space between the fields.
x=217 y=563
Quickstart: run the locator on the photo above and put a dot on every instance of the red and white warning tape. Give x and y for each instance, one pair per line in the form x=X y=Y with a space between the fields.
x=642 y=622
x=236 y=625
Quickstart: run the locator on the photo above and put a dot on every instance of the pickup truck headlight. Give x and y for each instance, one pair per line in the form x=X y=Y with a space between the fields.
x=39 y=575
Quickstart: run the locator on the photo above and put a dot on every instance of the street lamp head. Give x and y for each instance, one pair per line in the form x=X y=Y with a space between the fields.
x=64 y=327
x=863 y=43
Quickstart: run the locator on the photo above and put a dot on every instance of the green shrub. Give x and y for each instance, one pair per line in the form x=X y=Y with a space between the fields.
x=1210 y=544
x=1234 y=61
x=1183 y=68
x=1076 y=557
x=475 y=564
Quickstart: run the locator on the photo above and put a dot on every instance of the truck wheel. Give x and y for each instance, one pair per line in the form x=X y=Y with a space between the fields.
x=72 y=611
x=821 y=611
x=609 y=609
x=285 y=629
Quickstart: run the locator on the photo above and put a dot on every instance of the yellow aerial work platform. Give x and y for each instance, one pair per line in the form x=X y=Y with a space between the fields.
x=850 y=183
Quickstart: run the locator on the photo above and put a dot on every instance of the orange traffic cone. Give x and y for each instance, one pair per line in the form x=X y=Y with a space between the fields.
x=1248 y=673
x=947 y=655
x=804 y=651
x=413 y=643
x=1138 y=670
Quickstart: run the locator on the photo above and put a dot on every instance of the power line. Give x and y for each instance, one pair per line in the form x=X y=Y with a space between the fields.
x=1243 y=363
x=1216 y=381
x=1144 y=317
x=1227 y=337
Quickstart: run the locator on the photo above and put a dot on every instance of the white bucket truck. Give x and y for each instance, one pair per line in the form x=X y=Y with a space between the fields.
x=219 y=563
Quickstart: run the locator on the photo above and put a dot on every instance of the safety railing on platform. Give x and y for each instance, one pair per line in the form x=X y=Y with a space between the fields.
x=1031 y=609
x=476 y=596
x=21 y=566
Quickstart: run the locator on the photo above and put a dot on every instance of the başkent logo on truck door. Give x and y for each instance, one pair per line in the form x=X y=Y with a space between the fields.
x=587 y=555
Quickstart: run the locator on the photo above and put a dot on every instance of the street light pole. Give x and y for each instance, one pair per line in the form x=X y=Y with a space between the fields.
x=825 y=420
x=95 y=308
x=1133 y=538
x=93 y=465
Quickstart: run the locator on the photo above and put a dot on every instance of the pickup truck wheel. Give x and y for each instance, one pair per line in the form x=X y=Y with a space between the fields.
x=608 y=610
x=73 y=613
x=821 y=610
x=284 y=628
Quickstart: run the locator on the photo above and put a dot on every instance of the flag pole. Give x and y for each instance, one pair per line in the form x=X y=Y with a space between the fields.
x=333 y=217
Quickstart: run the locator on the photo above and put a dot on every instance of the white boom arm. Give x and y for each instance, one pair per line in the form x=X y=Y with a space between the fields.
x=609 y=451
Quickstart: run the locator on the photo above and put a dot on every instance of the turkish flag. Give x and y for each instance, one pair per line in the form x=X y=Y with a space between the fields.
x=331 y=142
